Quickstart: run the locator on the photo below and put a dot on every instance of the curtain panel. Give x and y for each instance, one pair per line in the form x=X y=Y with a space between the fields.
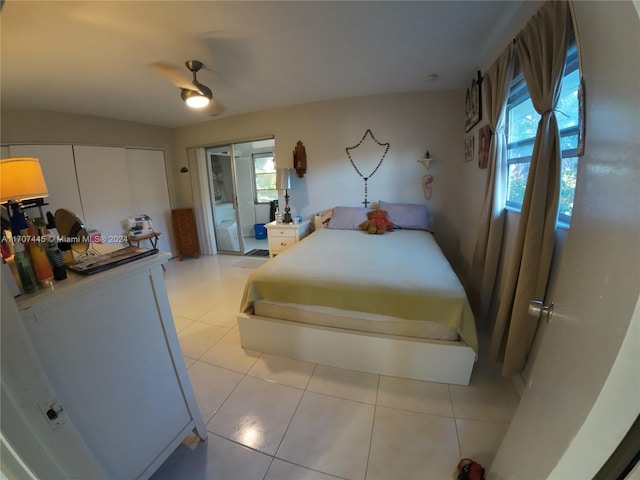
x=541 y=48
x=486 y=255
x=202 y=200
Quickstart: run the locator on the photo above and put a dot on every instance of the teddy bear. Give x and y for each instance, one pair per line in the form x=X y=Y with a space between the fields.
x=377 y=222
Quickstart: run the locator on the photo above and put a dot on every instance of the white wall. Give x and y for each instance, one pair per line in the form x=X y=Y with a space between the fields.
x=412 y=123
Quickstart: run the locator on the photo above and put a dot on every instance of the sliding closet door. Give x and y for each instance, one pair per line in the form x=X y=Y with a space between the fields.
x=150 y=193
x=105 y=189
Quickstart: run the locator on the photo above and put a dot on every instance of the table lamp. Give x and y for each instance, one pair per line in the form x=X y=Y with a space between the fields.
x=21 y=184
x=284 y=181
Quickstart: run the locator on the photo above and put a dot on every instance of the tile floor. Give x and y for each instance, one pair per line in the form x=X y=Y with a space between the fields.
x=272 y=418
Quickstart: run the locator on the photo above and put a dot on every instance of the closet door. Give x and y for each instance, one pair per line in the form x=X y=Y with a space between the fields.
x=105 y=189
x=150 y=193
x=59 y=173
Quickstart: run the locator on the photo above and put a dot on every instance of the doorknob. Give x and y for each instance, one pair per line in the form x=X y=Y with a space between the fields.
x=540 y=310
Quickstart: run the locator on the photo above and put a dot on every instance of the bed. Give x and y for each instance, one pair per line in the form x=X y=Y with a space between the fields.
x=388 y=304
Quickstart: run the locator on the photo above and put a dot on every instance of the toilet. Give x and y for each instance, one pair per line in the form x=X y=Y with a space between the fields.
x=227 y=236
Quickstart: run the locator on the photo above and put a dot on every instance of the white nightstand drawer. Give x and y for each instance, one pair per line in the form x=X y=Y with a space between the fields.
x=281 y=232
x=282 y=243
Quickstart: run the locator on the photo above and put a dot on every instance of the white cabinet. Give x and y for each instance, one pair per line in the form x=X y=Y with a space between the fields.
x=284 y=235
x=109 y=349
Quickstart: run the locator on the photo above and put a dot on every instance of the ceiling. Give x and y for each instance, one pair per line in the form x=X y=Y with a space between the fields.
x=95 y=57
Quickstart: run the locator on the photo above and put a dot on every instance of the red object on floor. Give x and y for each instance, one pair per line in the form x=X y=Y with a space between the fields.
x=470 y=470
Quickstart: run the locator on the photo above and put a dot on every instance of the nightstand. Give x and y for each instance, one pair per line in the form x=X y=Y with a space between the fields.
x=283 y=235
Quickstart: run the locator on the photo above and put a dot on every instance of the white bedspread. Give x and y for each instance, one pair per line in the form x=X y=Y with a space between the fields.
x=402 y=274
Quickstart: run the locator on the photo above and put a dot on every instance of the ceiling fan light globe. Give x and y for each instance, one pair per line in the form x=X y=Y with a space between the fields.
x=197 y=101
x=194 y=99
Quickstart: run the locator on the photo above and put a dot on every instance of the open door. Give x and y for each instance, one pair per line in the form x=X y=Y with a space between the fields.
x=583 y=392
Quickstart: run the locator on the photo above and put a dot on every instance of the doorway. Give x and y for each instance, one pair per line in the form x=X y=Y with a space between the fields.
x=235 y=204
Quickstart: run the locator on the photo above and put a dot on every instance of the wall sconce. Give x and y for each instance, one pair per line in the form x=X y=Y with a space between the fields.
x=21 y=185
x=426 y=161
x=300 y=159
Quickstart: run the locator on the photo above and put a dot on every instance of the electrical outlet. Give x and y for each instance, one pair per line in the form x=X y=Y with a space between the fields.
x=53 y=412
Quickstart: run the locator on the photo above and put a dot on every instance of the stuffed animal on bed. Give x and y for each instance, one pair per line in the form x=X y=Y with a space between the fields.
x=377 y=223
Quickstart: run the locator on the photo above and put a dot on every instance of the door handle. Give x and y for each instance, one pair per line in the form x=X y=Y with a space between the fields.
x=540 y=310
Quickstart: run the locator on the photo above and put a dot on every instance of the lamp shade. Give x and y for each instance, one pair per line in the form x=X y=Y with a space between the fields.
x=21 y=179
x=284 y=178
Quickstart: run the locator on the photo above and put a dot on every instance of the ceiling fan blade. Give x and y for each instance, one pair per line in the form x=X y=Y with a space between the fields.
x=216 y=108
x=174 y=74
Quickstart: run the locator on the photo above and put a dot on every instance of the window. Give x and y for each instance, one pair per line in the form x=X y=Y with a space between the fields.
x=522 y=124
x=265 y=176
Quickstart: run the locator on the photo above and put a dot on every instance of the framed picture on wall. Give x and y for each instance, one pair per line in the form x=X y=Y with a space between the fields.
x=473 y=104
x=469 y=145
x=484 y=138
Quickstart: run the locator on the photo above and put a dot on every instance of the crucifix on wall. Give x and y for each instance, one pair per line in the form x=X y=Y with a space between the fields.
x=349 y=151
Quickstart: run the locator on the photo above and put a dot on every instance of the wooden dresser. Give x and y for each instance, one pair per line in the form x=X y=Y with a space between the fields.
x=186 y=233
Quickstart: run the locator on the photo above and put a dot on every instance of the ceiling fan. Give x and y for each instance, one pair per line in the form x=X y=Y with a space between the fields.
x=193 y=93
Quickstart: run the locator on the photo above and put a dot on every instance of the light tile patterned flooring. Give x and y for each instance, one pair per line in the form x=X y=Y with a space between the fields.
x=272 y=418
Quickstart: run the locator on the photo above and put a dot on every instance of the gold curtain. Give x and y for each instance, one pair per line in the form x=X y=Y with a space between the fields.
x=486 y=255
x=541 y=48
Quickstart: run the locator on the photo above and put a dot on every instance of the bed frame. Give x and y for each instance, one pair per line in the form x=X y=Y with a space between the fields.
x=430 y=360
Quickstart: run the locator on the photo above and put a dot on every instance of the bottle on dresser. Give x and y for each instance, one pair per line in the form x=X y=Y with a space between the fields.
x=39 y=259
x=25 y=270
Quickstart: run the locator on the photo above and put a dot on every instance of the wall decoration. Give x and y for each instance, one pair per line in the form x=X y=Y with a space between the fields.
x=473 y=104
x=300 y=159
x=484 y=139
x=387 y=145
x=426 y=186
x=427 y=180
x=426 y=161
x=469 y=146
